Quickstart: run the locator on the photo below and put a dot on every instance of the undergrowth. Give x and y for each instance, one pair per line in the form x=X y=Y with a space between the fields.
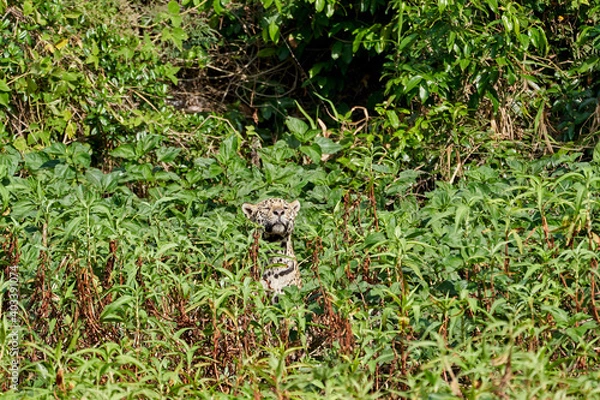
x=485 y=288
x=446 y=250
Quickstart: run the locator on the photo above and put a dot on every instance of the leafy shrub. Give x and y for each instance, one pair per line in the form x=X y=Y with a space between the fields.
x=485 y=287
x=67 y=74
x=435 y=72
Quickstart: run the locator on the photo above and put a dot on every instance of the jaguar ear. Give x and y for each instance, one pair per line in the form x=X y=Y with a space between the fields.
x=295 y=206
x=249 y=210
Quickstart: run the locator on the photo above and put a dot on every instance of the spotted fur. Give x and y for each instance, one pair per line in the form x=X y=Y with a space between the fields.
x=276 y=218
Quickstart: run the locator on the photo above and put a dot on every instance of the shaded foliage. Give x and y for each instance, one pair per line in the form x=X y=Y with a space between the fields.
x=520 y=64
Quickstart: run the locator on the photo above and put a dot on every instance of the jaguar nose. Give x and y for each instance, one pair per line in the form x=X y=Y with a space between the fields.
x=279 y=213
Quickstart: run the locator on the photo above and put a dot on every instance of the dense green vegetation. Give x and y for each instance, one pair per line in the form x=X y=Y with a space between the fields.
x=449 y=231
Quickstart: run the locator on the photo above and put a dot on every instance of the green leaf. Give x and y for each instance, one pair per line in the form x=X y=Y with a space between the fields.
x=464 y=63
x=94 y=176
x=20 y=144
x=65 y=171
x=35 y=160
x=218 y=7
x=327 y=145
x=4 y=96
x=228 y=149
x=274 y=32
x=79 y=154
x=423 y=93
x=56 y=149
x=407 y=41
x=178 y=35
x=70 y=130
x=412 y=83
x=173 y=7
x=336 y=50
x=4 y=99
x=147 y=143
x=126 y=151
x=117 y=310
x=392 y=118
x=143 y=171
x=524 y=39
x=376 y=238
x=493 y=5
x=319 y=5
x=213 y=171
x=296 y=126
x=27 y=7
x=313 y=151
x=461 y=216
x=442 y=5
x=508 y=23
x=597 y=153
x=167 y=154
x=82 y=159
x=74 y=226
